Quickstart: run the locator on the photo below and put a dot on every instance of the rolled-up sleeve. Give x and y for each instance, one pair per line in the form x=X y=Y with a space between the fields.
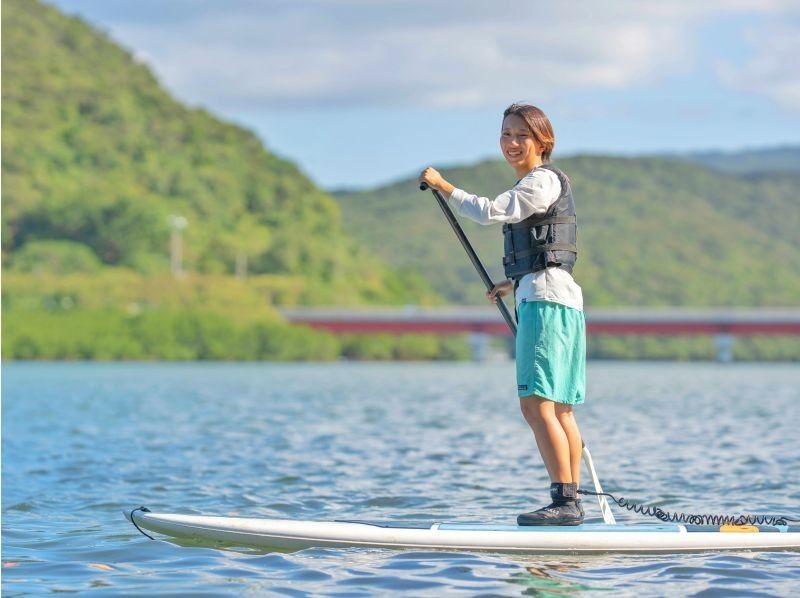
x=532 y=195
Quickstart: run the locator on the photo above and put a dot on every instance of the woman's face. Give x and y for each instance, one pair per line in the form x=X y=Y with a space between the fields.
x=518 y=145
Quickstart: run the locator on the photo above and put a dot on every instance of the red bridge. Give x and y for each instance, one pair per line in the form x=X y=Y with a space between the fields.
x=722 y=323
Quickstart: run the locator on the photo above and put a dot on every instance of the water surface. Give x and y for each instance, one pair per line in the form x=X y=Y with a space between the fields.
x=81 y=442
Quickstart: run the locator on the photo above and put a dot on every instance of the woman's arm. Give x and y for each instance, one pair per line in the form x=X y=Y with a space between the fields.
x=532 y=195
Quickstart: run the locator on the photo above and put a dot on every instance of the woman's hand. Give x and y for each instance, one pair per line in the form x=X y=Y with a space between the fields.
x=432 y=178
x=501 y=289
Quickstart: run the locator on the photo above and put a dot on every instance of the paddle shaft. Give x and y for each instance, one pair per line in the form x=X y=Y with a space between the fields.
x=473 y=257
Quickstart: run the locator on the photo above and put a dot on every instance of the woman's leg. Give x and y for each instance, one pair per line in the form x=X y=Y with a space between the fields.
x=545 y=366
x=566 y=418
x=555 y=441
x=559 y=442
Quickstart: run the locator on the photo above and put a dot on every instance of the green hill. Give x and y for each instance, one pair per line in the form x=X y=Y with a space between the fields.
x=652 y=232
x=97 y=157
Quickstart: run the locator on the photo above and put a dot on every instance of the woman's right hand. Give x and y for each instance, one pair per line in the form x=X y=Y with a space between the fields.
x=501 y=289
x=432 y=178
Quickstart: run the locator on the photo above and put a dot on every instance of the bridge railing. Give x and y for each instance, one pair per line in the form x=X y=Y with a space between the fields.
x=454 y=320
x=724 y=324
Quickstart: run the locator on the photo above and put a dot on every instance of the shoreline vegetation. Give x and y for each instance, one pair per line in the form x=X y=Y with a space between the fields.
x=191 y=335
x=118 y=314
x=137 y=228
x=121 y=315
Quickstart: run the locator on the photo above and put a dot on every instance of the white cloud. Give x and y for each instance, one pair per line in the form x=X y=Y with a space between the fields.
x=445 y=53
x=774 y=70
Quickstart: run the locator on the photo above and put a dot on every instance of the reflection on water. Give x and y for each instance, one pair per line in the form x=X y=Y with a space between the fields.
x=82 y=442
x=548 y=580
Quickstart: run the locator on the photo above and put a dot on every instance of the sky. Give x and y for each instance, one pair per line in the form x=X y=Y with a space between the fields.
x=360 y=93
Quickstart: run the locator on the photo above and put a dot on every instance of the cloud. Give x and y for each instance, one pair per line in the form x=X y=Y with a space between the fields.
x=296 y=53
x=773 y=71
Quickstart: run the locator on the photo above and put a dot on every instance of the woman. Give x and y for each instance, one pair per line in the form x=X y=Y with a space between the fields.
x=540 y=229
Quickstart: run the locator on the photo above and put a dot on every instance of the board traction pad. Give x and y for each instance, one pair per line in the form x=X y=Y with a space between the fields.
x=586 y=527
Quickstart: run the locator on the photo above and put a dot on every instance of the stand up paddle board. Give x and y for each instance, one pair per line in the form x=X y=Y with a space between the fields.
x=290 y=535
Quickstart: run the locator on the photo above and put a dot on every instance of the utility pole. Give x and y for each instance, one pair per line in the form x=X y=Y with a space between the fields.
x=177 y=224
x=241 y=265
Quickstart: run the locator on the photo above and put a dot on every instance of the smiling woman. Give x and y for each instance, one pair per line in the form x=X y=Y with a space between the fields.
x=540 y=231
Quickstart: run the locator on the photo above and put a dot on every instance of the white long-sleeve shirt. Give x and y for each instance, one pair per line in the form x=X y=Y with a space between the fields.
x=532 y=195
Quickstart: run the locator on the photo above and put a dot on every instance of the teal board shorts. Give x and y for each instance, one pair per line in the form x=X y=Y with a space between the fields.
x=551 y=352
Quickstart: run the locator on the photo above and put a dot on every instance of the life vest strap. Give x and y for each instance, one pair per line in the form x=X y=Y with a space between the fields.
x=530 y=223
x=542 y=249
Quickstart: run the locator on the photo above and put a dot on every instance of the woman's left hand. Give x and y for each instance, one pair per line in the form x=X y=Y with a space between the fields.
x=501 y=289
x=432 y=178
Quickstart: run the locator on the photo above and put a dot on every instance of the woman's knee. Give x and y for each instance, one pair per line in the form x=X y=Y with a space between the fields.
x=566 y=417
x=536 y=408
x=564 y=412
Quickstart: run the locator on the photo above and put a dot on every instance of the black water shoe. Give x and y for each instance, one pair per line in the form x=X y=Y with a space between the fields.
x=564 y=510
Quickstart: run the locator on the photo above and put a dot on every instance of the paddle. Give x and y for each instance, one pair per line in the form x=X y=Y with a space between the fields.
x=605 y=508
x=608 y=516
x=473 y=257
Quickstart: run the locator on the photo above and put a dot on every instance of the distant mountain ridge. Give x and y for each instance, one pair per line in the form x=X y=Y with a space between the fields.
x=783 y=159
x=779 y=160
x=652 y=231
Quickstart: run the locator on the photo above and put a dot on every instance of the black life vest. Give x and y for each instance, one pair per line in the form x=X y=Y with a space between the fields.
x=546 y=240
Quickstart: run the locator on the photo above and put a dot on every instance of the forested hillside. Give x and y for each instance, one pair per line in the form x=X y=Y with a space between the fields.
x=652 y=232
x=97 y=157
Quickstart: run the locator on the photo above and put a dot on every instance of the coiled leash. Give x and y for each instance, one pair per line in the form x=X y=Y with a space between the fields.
x=692 y=519
x=133 y=521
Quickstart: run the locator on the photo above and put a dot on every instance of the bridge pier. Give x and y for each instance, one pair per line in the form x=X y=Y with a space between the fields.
x=724 y=345
x=479 y=343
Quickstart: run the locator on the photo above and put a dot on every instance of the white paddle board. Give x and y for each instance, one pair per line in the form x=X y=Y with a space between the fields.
x=290 y=535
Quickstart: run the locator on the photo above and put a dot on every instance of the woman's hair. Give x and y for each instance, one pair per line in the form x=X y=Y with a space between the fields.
x=539 y=125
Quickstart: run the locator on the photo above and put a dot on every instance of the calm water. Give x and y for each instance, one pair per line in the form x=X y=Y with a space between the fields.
x=81 y=442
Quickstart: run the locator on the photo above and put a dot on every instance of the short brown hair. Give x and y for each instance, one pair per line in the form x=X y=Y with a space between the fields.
x=539 y=125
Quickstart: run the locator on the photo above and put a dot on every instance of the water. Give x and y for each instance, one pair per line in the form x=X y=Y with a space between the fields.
x=81 y=442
